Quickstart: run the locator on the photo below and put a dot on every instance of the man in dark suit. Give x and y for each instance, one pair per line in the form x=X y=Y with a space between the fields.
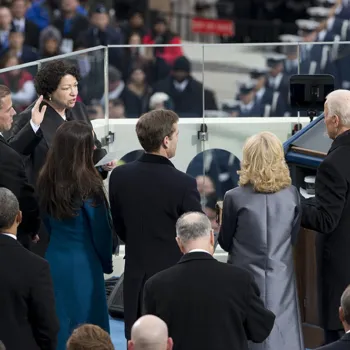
x=28 y=316
x=344 y=316
x=147 y=197
x=28 y=28
x=206 y=304
x=329 y=212
x=13 y=175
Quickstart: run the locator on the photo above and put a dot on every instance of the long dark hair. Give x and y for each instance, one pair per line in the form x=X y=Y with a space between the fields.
x=68 y=176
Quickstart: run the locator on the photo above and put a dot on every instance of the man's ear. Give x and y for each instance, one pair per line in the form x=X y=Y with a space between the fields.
x=19 y=218
x=341 y=315
x=212 y=238
x=170 y=344
x=130 y=345
x=178 y=241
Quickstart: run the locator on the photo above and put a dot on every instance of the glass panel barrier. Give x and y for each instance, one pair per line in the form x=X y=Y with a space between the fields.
x=153 y=77
x=246 y=87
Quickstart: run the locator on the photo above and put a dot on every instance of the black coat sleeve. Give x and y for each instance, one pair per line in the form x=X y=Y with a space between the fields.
x=229 y=223
x=116 y=207
x=22 y=137
x=42 y=310
x=99 y=152
x=191 y=200
x=148 y=304
x=13 y=177
x=259 y=321
x=323 y=213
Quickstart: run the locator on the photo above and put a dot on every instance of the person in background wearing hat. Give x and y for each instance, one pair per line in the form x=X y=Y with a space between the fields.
x=291 y=51
x=185 y=91
x=50 y=42
x=277 y=79
x=70 y=24
x=161 y=35
x=263 y=94
x=271 y=103
x=249 y=106
x=100 y=32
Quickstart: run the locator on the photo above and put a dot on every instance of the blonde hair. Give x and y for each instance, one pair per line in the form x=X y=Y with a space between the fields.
x=89 y=337
x=263 y=165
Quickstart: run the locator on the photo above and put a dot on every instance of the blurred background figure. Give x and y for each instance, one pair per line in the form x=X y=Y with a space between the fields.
x=89 y=337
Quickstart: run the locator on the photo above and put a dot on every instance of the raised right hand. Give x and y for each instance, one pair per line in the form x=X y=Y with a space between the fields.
x=37 y=114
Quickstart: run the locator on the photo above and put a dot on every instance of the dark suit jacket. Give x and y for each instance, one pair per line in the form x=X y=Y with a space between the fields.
x=14 y=178
x=147 y=197
x=28 y=315
x=208 y=305
x=329 y=214
x=342 y=344
x=36 y=145
x=79 y=24
x=32 y=34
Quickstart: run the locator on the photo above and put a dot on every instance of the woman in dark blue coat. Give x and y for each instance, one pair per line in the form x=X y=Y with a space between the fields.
x=77 y=218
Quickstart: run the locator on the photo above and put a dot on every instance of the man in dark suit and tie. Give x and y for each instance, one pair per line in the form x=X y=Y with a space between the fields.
x=13 y=175
x=28 y=316
x=147 y=197
x=206 y=304
x=344 y=315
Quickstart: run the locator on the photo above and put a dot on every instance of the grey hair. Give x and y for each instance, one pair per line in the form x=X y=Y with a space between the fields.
x=338 y=103
x=2 y=346
x=9 y=208
x=345 y=304
x=192 y=225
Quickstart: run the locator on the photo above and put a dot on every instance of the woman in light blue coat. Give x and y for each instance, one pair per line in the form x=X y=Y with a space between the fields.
x=261 y=219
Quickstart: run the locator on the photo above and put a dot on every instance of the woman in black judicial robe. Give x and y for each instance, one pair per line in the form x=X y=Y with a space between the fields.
x=32 y=131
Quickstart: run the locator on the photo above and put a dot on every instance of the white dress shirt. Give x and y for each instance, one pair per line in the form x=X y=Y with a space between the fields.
x=198 y=250
x=10 y=235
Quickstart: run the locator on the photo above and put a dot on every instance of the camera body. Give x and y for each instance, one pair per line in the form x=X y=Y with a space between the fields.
x=308 y=92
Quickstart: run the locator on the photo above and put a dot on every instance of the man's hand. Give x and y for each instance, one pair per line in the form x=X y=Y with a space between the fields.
x=37 y=114
x=36 y=239
x=109 y=166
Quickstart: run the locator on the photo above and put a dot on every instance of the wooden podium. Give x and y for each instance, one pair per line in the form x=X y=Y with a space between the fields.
x=307 y=263
x=307 y=271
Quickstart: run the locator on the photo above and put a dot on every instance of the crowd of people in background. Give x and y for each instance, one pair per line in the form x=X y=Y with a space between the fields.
x=145 y=77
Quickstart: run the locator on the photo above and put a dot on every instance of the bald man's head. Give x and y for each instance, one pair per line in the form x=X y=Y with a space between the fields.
x=150 y=333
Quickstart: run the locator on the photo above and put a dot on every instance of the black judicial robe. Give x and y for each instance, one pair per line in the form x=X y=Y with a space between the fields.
x=34 y=146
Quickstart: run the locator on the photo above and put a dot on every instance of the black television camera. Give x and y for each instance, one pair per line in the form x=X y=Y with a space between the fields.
x=308 y=92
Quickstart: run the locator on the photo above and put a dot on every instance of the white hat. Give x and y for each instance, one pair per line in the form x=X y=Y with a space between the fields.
x=290 y=38
x=307 y=24
x=318 y=12
x=333 y=2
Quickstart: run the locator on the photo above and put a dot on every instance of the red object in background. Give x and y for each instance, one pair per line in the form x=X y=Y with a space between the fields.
x=220 y=27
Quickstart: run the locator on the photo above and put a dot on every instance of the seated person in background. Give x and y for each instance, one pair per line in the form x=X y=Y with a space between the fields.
x=344 y=315
x=206 y=304
x=261 y=219
x=160 y=100
x=162 y=35
x=116 y=109
x=89 y=337
x=28 y=316
x=150 y=332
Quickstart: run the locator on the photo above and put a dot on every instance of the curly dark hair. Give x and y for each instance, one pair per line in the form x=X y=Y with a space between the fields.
x=49 y=76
